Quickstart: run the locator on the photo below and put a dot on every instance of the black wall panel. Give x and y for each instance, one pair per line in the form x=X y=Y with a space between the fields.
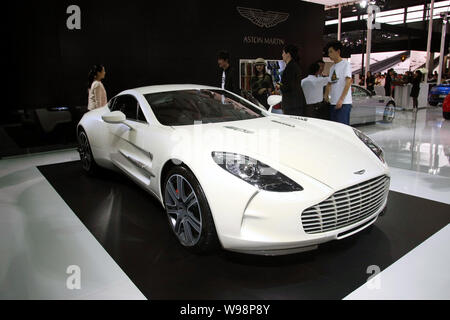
x=140 y=43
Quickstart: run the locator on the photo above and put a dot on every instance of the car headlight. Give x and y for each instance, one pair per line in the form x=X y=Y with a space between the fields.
x=372 y=146
x=255 y=172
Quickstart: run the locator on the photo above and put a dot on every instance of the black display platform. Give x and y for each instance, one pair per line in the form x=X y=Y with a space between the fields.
x=132 y=227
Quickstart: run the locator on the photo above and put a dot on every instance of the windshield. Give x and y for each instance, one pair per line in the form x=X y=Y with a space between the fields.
x=180 y=108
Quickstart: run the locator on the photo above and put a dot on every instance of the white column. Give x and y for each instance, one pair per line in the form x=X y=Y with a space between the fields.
x=369 y=37
x=339 y=22
x=441 y=58
x=430 y=32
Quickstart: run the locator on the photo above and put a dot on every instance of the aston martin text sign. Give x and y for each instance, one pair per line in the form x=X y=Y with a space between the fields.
x=264 y=40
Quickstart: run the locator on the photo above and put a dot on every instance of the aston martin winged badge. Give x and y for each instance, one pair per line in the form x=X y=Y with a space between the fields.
x=263 y=19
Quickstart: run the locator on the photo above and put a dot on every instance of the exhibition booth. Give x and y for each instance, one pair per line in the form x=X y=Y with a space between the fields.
x=177 y=189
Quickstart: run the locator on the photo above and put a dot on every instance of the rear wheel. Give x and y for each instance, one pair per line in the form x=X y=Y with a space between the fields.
x=86 y=157
x=389 y=112
x=188 y=211
x=446 y=115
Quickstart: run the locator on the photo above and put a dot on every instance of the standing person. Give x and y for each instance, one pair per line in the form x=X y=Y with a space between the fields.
x=322 y=67
x=377 y=79
x=339 y=85
x=261 y=83
x=383 y=80
x=388 y=83
x=293 y=98
x=395 y=80
x=313 y=88
x=362 y=80
x=416 y=89
x=96 y=91
x=435 y=76
x=227 y=77
x=370 y=82
x=409 y=77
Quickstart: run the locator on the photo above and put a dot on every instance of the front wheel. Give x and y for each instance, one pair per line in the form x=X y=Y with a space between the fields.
x=389 y=112
x=188 y=211
x=86 y=157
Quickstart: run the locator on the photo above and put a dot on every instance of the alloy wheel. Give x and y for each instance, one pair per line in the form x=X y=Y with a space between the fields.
x=183 y=210
x=85 y=151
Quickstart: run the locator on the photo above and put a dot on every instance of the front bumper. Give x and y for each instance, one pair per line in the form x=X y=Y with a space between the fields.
x=258 y=243
x=344 y=233
x=272 y=224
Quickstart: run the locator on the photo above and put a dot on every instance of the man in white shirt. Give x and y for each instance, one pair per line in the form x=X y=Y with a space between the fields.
x=339 y=86
x=313 y=86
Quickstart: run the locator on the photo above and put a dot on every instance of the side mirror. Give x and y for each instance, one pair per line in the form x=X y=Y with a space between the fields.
x=114 y=117
x=274 y=100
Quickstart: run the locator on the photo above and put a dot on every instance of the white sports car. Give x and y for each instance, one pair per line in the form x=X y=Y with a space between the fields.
x=230 y=174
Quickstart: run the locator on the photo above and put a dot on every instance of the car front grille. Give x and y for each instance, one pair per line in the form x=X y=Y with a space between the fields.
x=346 y=207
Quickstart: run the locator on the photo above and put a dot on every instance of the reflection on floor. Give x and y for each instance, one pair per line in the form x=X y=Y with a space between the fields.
x=40 y=235
x=436 y=188
x=417 y=149
x=416 y=141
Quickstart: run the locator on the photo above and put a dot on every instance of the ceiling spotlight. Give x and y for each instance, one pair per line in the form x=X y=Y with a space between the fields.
x=363 y=4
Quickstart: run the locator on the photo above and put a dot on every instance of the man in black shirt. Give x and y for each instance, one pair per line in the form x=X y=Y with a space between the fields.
x=227 y=76
x=388 y=83
x=370 y=82
x=294 y=101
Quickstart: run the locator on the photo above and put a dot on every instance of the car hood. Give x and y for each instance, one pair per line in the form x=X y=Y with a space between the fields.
x=326 y=151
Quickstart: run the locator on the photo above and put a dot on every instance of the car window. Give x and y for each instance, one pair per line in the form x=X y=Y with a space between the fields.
x=359 y=92
x=128 y=105
x=186 y=107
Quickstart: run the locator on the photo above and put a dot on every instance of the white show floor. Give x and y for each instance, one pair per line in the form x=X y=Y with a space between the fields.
x=421 y=185
x=422 y=274
x=40 y=236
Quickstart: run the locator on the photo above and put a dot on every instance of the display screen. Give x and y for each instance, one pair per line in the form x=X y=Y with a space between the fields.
x=187 y=107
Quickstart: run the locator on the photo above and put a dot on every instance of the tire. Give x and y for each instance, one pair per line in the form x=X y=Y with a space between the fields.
x=87 y=159
x=188 y=212
x=434 y=104
x=389 y=112
x=446 y=115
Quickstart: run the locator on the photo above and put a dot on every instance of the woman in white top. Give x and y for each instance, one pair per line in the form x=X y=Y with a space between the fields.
x=97 y=93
